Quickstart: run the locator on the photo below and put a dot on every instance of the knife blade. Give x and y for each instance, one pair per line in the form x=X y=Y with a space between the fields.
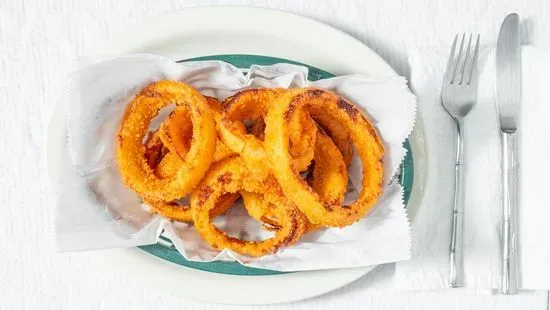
x=508 y=69
x=508 y=95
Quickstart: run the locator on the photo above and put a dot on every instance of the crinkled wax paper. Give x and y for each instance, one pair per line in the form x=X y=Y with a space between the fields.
x=95 y=210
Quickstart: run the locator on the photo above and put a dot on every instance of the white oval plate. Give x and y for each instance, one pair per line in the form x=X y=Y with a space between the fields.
x=236 y=30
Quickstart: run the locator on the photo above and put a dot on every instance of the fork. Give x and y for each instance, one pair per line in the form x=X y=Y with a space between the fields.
x=458 y=96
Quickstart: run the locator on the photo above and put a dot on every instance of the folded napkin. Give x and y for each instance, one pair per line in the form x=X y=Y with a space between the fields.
x=431 y=225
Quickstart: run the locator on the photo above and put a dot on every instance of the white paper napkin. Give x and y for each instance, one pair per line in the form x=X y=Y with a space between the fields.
x=95 y=210
x=429 y=267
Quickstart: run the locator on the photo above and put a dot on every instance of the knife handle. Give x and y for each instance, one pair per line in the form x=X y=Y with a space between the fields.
x=456 y=258
x=509 y=281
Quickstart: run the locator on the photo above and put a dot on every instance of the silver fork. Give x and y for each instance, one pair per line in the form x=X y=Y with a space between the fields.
x=458 y=96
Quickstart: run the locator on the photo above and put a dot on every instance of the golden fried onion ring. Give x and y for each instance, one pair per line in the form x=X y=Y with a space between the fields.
x=182 y=213
x=176 y=132
x=252 y=105
x=334 y=110
x=175 y=135
x=175 y=211
x=229 y=176
x=130 y=154
x=329 y=180
x=330 y=174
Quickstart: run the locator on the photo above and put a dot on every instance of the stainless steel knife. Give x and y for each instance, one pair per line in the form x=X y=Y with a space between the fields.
x=508 y=94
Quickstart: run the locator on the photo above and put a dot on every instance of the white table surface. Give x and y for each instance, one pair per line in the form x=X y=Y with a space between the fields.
x=38 y=41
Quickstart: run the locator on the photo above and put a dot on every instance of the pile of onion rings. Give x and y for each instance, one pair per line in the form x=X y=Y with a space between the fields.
x=284 y=152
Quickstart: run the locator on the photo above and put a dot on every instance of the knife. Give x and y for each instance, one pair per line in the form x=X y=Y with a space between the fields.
x=508 y=95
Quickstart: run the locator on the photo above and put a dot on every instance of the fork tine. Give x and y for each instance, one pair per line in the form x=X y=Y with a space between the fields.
x=450 y=62
x=473 y=69
x=458 y=58
x=465 y=63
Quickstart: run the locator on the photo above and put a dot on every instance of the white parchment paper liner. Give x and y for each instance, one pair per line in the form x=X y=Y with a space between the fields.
x=95 y=210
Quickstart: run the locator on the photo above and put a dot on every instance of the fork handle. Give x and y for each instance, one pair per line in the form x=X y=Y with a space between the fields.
x=456 y=260
x=509 y=281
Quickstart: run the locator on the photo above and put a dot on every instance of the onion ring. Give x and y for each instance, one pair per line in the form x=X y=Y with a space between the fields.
x=163 y=162
x=334 y=130
x=350 y=120
x=330 y=174
x=176 y=132
x=174 y=135
x=229 y=176
x=222 y=151
x=167 y=168
x=130 y=154
x=252 y=105
x=329 y=178
x=182 y=213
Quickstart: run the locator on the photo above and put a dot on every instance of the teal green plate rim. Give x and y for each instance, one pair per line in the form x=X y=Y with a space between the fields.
x=170 y=254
